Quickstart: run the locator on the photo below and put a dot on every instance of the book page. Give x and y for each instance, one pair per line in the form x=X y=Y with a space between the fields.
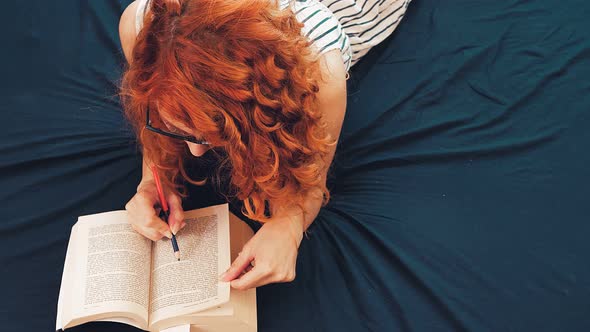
x=191 y=284
x=239 y=314
x=65 y=290
x=113 y=271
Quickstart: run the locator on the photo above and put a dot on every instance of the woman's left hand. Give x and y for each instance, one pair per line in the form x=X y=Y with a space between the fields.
x=269 y=256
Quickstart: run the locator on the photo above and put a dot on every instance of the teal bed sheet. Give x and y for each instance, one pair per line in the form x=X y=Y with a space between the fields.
x=460 y=187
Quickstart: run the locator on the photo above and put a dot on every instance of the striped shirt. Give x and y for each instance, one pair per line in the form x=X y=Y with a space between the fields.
x=321 y=27
x=367 y=22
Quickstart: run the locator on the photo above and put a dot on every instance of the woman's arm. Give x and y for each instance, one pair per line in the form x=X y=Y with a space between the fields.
x=273 y=250
x=127 y=33
x=141 y=207
x=332 y=103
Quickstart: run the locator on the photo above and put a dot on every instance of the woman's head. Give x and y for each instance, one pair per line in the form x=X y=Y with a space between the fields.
x=238 y=75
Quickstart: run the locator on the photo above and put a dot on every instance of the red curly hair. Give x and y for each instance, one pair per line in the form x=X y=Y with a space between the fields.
x=242 y=76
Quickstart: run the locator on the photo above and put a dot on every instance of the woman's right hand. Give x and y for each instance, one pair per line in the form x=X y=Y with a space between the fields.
x=143 y=216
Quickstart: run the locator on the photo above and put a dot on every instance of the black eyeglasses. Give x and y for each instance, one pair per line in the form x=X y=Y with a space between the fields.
x=192 y=139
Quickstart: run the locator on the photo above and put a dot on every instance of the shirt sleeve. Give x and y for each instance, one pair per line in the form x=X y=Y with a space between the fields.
x=140 y=14
x=324 y=31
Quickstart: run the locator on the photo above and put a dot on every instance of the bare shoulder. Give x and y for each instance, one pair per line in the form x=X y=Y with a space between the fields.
x=332 y=65
x=127 y=31
x=333 y=72
x=332 y=94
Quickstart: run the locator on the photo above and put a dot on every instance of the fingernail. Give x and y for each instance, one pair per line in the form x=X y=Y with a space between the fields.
x=168 y=234
x=222 y=276
x=175 y=229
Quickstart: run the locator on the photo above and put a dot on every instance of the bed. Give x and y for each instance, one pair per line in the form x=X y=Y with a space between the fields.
x=459 y=190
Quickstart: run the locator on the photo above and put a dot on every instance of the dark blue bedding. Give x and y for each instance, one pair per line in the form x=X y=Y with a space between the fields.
x=459 y=192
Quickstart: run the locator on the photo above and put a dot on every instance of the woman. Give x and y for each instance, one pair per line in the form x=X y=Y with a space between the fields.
x=260 y=83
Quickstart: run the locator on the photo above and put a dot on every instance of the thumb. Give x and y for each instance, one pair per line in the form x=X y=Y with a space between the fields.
x=176 y=219
x=236 y=268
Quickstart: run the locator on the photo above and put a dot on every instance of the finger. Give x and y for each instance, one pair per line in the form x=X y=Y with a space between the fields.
x=159 y=226
x=176 y=213
x=254 y=278
x=136 y=216
x=249 y=267
x=236 y=268
x=145 y=205
x=142 y=208
x=143 y=218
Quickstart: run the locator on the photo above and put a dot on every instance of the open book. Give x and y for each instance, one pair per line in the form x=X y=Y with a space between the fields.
x=112 y=273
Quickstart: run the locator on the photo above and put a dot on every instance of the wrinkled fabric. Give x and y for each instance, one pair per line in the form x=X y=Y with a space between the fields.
x=459 y=189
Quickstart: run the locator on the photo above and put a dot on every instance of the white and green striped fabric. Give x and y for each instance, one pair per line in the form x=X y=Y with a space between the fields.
x=353 y=26
x=367 y=22
x=321 y=27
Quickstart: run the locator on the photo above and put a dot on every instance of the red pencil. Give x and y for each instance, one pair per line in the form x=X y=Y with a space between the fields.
x=165 y=209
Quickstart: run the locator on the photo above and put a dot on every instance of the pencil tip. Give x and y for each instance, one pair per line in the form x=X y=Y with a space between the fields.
x=177 y=255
